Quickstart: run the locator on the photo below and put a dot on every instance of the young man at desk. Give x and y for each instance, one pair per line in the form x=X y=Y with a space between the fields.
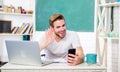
x=57 y=41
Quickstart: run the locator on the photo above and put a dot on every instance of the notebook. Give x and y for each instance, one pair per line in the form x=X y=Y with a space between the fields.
x=24 y=53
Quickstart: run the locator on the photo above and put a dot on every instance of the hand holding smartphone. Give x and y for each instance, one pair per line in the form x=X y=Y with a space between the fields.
x=71 y=51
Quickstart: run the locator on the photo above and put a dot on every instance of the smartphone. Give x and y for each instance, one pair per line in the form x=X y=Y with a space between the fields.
x=72 y=51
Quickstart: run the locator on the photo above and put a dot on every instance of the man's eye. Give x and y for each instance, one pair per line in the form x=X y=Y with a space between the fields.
x=63 y=25
x=58 y=27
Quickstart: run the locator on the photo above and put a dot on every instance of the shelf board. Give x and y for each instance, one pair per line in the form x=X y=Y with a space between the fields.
x=109 y=37
x=110 y=4
x=4 y=13
x=3 y=34
x=112 y=38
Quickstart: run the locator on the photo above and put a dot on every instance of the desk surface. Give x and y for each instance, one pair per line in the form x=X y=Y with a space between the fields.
x=55 y=66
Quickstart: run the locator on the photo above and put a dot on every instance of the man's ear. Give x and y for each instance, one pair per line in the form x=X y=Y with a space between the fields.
x=51 y=28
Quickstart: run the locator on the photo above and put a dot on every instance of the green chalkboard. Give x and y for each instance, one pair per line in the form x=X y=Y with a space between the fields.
x=79 y=14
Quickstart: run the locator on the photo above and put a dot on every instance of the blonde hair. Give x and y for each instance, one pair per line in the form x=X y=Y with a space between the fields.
x=54 y=18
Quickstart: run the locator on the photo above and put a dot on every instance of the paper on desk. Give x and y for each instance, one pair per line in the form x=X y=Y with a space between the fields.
x=61 y=60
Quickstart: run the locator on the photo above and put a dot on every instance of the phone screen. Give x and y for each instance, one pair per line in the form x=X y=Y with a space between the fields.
x=71 y=51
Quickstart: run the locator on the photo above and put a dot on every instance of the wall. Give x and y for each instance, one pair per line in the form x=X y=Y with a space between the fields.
x=17 y=20
x=87 y=38
x=26 y=4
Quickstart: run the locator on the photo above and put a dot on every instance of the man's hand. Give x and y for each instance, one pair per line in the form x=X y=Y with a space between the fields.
x=73 y=59
x=77 y=58
x=49 y=38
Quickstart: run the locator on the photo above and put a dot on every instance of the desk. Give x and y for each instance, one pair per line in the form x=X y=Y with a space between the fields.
x=54 y=67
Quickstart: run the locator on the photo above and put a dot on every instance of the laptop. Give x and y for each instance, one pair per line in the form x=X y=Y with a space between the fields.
x=24 y=53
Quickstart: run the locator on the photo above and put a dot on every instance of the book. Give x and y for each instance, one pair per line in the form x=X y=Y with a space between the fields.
x=12 y=29
x=25 y=28
x=28 y=29
x=31 y=29
x=21 y=28
x=15 y=30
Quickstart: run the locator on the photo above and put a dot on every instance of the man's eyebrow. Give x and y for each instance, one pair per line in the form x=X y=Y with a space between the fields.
x=64 y=24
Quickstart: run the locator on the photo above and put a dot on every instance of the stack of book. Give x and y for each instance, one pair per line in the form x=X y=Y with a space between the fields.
x=25 y=28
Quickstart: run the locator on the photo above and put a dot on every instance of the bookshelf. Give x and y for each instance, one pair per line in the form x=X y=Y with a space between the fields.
x=107 y=22
x=22 y=14
x=17 y=14
x=17 y=18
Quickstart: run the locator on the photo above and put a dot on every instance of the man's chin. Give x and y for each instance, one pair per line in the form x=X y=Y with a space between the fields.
x=61 y=36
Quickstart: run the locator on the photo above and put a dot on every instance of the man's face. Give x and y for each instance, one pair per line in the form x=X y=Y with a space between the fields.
x=59 y=28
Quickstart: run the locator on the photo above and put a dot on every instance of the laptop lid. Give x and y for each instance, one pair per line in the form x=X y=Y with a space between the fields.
x=23 y=52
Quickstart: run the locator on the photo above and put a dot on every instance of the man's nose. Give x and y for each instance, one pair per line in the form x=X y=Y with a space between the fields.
x=62 y=28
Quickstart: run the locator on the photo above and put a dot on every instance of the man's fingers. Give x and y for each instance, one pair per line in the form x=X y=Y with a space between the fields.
x=70 y=59
x=72 y=55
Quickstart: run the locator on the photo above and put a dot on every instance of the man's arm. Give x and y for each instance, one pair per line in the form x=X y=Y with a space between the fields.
x=80 y=54
x=49 y=37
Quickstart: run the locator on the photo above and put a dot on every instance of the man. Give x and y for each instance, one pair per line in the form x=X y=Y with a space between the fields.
x=58 y=41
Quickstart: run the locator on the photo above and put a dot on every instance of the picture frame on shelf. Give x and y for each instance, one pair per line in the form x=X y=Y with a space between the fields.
x=5 y=26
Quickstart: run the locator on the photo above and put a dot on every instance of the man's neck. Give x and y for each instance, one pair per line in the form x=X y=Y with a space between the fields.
x=58 y=39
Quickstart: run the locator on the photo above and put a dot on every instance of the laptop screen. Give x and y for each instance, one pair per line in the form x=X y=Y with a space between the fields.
x=23 y=52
